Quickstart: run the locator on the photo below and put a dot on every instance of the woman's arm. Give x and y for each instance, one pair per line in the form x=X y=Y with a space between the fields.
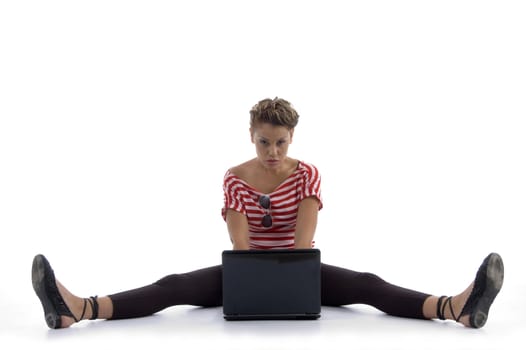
x=306 y=223
x=237 y=225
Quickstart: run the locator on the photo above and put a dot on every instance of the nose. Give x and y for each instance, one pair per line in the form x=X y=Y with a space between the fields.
x=273 y=151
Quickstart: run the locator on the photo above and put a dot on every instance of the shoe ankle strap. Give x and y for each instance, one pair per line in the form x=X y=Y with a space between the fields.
x=94 y=307
x=441 y=307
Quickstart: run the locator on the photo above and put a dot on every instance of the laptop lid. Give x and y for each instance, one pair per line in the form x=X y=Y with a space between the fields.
x=271 y=284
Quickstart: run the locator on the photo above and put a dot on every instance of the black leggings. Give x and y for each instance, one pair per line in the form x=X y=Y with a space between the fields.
x=204 y=288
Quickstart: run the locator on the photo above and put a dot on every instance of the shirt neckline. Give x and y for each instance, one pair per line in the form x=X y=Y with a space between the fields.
x=298 y=168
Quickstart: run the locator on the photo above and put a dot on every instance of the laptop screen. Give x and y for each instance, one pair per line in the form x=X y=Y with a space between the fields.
x=271 y=284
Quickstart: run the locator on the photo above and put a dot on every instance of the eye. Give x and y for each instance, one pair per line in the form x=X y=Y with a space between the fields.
x=281 y=142
x=263 y=142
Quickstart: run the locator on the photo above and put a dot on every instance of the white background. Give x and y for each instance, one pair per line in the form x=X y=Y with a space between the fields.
x=118 y=120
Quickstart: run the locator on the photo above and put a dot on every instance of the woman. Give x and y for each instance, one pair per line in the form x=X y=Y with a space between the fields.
x=271 y=201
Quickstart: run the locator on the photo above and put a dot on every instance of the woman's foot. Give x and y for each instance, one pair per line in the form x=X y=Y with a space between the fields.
x=61 y=308
x=471 y=307
x=449 y=307
x=78 y=307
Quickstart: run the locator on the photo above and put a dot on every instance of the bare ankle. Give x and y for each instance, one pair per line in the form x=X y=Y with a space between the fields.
x=450 y=308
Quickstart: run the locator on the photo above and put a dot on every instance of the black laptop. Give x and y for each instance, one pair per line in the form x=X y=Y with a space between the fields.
x=271 y=284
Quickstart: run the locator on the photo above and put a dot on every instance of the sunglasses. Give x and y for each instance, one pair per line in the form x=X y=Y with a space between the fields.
x=264 y=201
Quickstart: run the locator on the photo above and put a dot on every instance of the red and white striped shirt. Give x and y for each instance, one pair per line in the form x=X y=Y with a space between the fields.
x=304 y=182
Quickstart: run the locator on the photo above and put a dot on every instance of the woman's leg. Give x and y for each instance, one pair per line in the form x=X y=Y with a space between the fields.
x=200 y=288
x=340 y=286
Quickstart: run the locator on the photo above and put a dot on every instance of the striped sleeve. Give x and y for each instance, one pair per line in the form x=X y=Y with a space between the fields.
x=311 y=184
x=232 y=190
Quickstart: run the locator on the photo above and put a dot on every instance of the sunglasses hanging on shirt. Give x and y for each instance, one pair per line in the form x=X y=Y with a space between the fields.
x=264 y=201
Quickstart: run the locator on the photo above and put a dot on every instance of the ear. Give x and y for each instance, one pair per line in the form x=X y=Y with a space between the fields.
x=291 y=131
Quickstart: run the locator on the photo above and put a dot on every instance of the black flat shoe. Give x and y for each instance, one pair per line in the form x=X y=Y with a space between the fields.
x=45 y=286
x=488 y=283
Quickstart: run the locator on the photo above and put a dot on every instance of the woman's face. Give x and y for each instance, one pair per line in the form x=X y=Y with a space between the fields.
x=272 y=143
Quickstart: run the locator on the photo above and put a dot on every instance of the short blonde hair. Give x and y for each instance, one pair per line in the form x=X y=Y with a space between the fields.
x=275 y=111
